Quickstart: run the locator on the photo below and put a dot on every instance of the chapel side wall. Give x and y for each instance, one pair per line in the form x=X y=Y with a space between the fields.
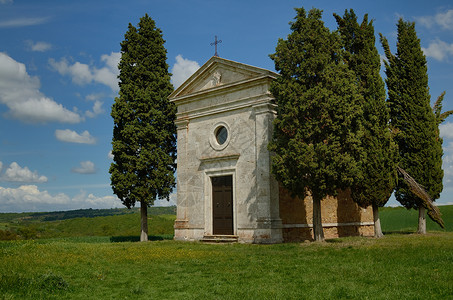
x=341 y=216
x=189 y=188
x=268 y=222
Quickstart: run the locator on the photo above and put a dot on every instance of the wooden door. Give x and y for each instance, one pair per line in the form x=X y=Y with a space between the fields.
x=222 y=203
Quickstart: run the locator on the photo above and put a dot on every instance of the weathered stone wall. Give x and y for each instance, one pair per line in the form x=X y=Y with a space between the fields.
x=340 y=217
x=234 y=96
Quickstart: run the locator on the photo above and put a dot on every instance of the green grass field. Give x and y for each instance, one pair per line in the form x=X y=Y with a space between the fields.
x=398 y=219
x=395 y=267
x=93 y=258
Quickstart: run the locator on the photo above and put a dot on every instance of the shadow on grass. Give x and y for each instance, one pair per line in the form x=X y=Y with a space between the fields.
x=136 y=238
x=333 y=241
x=398 y=232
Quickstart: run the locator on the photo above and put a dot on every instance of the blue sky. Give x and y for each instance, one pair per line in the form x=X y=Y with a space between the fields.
x=58 y=78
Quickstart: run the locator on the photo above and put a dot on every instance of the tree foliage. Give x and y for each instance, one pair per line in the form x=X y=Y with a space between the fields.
x=412 y=118
x=437 y=109
x=317 y=131
x=144 y=133
x=378 y=160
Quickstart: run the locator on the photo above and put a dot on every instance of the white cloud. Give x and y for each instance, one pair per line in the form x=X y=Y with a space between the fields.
x=164 y=202
x=183 y=69
x=38 y=46
x=42 y=110
x=86 y=167
x=97 y=105
x=28 y=198
x=84 y=74
x=97 y=109
x=112 y=60
x=447 y=166
x=30 y=194
x=446 y=130
x=80 y=73
x=70 y=136
x=447 y=159
x=443 y=19
x=22 y=22
x=20 y=93
x=109 y=155
x=438 y=50
x=16 y=173
x=91 y=201
x=426 y=21
x=94 y=97
x=6 y=1
x=1 y=164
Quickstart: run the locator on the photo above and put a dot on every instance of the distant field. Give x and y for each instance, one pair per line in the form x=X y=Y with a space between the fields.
x=124 y=224
x=115 y=223
x=399 y=219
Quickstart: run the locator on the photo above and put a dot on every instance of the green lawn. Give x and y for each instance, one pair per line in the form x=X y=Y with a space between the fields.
x=88 y=258
x=395 y=267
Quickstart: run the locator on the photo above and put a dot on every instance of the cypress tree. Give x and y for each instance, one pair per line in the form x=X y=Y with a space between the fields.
x=437 y=109
x=413 y=119
x=378 y=159
x=144 y=133
x=317 y=131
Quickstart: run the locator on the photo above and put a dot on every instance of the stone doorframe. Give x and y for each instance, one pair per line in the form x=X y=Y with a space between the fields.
x=208 y=220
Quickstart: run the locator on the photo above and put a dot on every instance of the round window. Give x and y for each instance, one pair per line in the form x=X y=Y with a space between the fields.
x=221 y=135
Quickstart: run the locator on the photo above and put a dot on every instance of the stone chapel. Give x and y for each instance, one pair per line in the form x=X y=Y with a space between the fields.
x=225 y=188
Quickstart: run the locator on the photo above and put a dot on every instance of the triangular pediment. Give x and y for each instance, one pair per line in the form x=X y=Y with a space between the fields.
x=216 y=73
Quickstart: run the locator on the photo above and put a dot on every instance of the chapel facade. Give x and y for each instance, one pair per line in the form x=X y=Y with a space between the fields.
x=225 y=188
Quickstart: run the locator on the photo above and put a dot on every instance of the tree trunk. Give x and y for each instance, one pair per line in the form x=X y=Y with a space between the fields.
x=144 y=221
x=421 y=220
x=318 y=231
x=377 y=222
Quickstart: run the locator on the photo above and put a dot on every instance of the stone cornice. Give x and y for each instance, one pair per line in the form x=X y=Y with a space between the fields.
x=225 y=107
x=222 y=89
x=234 y=156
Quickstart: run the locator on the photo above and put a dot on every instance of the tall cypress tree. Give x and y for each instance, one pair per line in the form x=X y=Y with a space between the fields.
x=144 y=133
x=411 y=116
x=378 y=161
x=317 y=130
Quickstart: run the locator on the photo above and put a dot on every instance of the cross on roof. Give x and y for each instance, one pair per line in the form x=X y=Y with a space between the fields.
x=215 y=44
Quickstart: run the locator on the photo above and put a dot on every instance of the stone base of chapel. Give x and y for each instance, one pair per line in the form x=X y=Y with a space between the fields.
x=306 y=234
x=256 y=236
x=341 y=217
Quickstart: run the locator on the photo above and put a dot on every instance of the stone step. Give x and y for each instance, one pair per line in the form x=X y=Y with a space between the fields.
x=220 y=239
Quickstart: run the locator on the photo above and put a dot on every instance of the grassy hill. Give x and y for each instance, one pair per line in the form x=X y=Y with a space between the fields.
x=82 y=223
